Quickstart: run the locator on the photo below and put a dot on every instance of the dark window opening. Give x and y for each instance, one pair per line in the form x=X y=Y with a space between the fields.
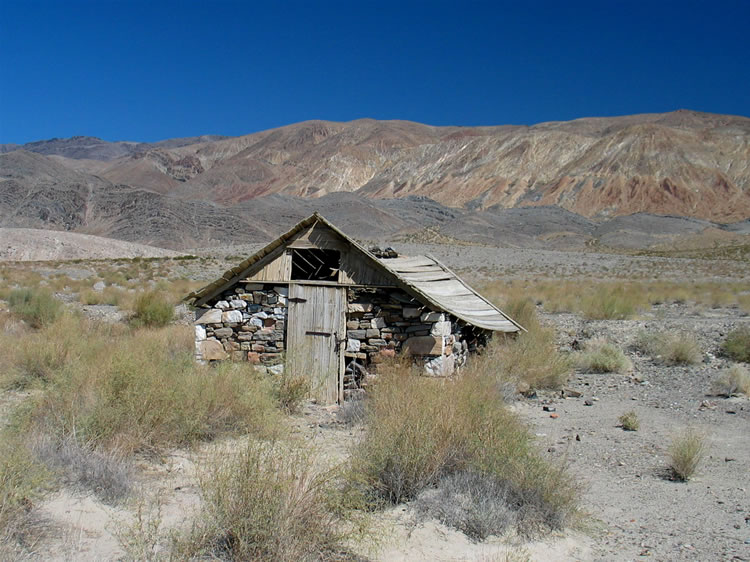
x=315 y=265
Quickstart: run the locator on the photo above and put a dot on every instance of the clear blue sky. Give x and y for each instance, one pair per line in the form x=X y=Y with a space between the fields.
x=152 y=70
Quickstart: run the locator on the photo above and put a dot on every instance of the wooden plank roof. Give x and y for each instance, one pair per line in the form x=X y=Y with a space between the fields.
x=449 y=292
x=423 y=277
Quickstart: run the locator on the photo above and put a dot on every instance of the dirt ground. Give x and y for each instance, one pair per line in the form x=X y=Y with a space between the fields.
x=634 y=510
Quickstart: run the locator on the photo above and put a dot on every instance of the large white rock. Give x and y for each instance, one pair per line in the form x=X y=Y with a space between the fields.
x=353 y=345
x=232 y=316
x=432 y=317
x=200 y=333
x=257 y=322
x=237 y=303
x=277 y=370
x=222 y=305
x=442 y=366
x=262 y=315
x=211 y=316
x=441 y=329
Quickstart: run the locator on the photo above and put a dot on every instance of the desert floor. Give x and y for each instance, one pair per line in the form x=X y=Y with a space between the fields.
x=633 y=508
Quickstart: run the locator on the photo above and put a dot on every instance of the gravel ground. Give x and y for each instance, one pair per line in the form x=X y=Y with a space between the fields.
x=636 y=508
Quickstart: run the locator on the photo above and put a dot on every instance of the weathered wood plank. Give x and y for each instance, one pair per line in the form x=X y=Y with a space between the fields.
x=315 y=311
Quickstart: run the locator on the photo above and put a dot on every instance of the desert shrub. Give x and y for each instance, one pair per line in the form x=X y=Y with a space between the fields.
x=267 y=502
x=679 y=348
x=685 y=454
x=669 y=348
x=734 y=380
x=152 y=309
x=601 y=356
x=629 y=421
x=143 y=391
x=106 y=473
x=610 y=303
x=291 y=391
x=530 y=359
x=38 y=356
x=420 y=431
x=474 y=503
x=36 y=306
x=737 y=344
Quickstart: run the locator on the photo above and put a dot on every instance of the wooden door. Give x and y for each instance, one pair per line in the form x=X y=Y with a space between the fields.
x=316 y=320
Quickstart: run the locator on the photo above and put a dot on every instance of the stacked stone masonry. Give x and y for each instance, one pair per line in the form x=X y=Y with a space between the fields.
x=384 y=322
x=246 y=323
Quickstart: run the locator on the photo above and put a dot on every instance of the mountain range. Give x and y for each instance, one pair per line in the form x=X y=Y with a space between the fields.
x=384 y=178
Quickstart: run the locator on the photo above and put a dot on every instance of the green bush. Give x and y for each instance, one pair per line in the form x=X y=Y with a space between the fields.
x=737 y=344
x=37 y=307
x=601 y=356
x=420 y=431
x=152 y=309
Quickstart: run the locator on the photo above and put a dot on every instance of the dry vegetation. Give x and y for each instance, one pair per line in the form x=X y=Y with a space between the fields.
x=102 y=398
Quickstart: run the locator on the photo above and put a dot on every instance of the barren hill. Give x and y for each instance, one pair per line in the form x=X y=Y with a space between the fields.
x=382 y=177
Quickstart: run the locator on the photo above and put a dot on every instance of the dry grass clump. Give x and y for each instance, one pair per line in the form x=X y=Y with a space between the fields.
x=36 y=356
x=685 y=454
x=37 y=307
x=600 y=356
x=268 y=502
x=424 y=434
x=611 y=302
x=735 y=380
x=152 y=309
x=669 y=348
x=21 y=482
x=291 y=391
x=529 y=360
x=629 y=421
x=139 y=390
x=737 y=344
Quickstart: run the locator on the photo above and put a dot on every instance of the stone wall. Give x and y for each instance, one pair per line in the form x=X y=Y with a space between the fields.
x=381 y=323
x=246 y=323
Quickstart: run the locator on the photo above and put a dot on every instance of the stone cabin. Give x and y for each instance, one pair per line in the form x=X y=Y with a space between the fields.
x=317 y=304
